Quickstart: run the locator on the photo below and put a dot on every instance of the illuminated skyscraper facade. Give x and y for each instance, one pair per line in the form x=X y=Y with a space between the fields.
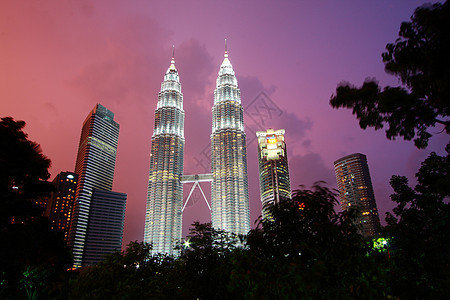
x=229 y=188
x=355 y=190
x=274 y=182
x=95 y=169
x=165 y=191
x=59 y=207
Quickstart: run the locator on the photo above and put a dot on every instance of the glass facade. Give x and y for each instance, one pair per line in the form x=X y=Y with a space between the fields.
x=95 y=165
x=165 y=191
x=105 y=227
x=274 y=179
x=355 y=190
x=229 y=188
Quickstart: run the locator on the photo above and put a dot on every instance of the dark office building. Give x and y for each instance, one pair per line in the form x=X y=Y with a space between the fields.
x=60 y=204
x=105 y=226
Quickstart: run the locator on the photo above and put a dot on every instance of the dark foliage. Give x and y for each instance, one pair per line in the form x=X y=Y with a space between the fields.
x=33 y=258
x=131 y=274
x=421 y=232
x=206 y=262
x=419 y=58
x=308 y=251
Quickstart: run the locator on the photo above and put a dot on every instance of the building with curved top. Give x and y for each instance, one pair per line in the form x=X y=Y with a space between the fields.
x=355 y=190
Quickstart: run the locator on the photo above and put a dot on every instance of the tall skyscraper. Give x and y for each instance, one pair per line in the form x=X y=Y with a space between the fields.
x=95 y=169
x=60 y=204
x=165 y=191
x=229 y=188
x=274 y=180
x=355 y=190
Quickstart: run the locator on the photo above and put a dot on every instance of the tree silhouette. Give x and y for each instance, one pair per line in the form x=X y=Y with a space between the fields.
x=420 y=59
x=32 y=256
x=421 y=232
x=130 y=274
x=307 y=250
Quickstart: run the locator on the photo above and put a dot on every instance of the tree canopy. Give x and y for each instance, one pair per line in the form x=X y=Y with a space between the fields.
x=307 y=250
x=32 y=255
x=420 y=60
x=420 y=232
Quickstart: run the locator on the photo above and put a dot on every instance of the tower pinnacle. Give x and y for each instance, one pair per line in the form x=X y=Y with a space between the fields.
x=226 y=52
x=172 y=67
x=173 y=54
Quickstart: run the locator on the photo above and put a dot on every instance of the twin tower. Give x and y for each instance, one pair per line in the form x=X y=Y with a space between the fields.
x=229 y=182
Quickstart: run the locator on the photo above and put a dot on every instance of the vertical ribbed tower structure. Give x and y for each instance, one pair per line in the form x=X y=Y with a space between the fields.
x=96 y=161
x=229 y=189
x=165 y=191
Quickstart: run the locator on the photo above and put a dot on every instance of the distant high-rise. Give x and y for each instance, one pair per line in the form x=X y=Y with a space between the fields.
x=355 y=190
x=60 y=204
x=165 y=191
x=274 y=180
x=229 y=188
x=95 y=169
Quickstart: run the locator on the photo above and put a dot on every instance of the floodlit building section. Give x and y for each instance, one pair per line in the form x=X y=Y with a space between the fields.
x=355 y=190
x=274 y=182
x=229 y=187
x=95 y=166
x=165 y=191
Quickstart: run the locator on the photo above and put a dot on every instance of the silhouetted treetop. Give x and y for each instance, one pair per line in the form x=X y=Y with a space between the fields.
x=21 y=161
x=420 y=59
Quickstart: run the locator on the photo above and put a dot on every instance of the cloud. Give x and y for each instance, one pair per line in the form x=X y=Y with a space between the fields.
x=196 y=68
x=251 y=86
x=306 y=143
x=308 y=169
x=128 y=66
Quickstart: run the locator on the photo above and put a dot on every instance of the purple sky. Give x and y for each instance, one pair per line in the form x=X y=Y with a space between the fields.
x=59 y=58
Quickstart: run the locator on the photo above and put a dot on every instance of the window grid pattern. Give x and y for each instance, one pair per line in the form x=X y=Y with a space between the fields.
x=59 y=207
x=105 y=227
x=163 y=214
x=229 y=188
x=274 y=180
x=95 y=166
x=355 y=190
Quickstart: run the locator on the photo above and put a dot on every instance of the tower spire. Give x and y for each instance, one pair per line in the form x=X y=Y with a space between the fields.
x=172 y=61
x=226 y=52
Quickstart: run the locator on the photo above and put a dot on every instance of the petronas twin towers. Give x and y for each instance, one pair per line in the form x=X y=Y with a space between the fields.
x=165 y=190
x=229 y=183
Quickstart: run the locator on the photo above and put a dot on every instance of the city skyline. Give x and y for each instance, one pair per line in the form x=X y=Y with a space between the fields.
x=60 y=58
